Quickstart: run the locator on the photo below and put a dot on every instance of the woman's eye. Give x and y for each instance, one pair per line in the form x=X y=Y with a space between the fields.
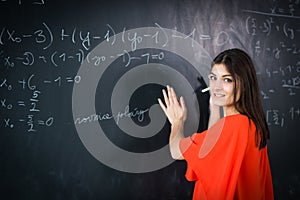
x=213 y=78
x=228 y=80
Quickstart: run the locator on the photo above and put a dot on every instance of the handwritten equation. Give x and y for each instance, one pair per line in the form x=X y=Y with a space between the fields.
x=44 y=36
x=277 y=117
x=58 y=59
x=57 y=48
x=30 y=104
x=279 y=21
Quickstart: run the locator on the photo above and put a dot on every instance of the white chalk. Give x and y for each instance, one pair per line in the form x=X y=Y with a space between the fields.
x=205 y=90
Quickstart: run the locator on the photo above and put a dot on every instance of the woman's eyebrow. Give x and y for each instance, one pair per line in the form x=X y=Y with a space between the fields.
x=225 y=75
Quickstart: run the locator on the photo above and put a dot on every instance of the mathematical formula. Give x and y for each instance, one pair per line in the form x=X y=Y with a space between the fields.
x=56 y=48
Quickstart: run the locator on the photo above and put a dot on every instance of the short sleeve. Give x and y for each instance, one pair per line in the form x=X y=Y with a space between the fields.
x=189 y=148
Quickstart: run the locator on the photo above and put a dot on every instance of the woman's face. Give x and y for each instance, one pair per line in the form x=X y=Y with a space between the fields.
x=222 y=88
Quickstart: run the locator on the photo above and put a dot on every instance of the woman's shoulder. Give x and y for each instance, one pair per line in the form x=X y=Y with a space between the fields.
x=237 y=121
x=237 y=117
x=231 y=121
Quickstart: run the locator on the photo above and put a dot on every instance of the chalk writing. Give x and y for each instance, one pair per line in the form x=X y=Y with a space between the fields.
x=58 y=59
x=45 y=53
x=134 y=113
x=6 y=105
x=41 y=36
x=277 y=117
x=5 y=84
x=278 y=21
x=93 y=118
x=27 y=85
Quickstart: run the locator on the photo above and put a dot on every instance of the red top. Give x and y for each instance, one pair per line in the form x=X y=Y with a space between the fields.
x=226 y=164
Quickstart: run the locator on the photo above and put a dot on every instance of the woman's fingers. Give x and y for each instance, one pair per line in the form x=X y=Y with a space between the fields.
x=162 y=105
x=174 y=109
x=166 y=98
x=182 y=103
x=184 y=109
x=172 y=95
x=170 y=98
x=169 y=94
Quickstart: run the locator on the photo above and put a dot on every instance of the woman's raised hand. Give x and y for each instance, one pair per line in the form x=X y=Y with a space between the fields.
x=175 y=110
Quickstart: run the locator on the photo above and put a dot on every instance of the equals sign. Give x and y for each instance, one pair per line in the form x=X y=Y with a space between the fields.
x=69 y=79
x=41 y=122
x=154 y=56
x=21 y=103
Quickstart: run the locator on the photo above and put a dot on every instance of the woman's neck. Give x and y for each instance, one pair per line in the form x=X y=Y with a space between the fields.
x=230 y=110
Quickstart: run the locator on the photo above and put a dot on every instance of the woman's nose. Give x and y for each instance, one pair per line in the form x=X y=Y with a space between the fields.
x=217 y=84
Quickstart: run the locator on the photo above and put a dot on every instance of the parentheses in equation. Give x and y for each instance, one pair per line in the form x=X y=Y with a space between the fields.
x=165 y=34
x=128 y=55
x=29 y=61
x=285 y=30
x=81 y=52
x=123 y=35
x=52 y=58
x=114 y=33
x=50 y=34
x=247 y=24
x=88 y=57
x=73 y=36
x=269 y=26
x=1 y=35
x=41 y=2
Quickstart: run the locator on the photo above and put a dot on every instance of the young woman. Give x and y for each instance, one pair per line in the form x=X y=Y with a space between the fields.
x=229 y=160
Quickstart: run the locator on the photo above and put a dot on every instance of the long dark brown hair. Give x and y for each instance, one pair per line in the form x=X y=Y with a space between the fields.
x=240 y=66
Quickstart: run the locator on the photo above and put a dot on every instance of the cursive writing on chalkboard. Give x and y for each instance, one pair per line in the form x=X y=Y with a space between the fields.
x=139 y=113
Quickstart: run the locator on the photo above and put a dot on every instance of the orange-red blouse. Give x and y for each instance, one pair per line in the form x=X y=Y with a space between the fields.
x=225 y=162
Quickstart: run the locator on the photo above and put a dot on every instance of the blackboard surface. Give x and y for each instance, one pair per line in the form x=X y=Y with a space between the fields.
x=79 y=82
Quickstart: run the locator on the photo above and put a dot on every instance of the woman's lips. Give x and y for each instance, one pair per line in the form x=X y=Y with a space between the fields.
x=218 y=95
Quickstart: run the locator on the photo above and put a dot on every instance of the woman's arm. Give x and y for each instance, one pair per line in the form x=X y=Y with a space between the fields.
x=214 y=113
x=176 y=113
x=175 y=136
